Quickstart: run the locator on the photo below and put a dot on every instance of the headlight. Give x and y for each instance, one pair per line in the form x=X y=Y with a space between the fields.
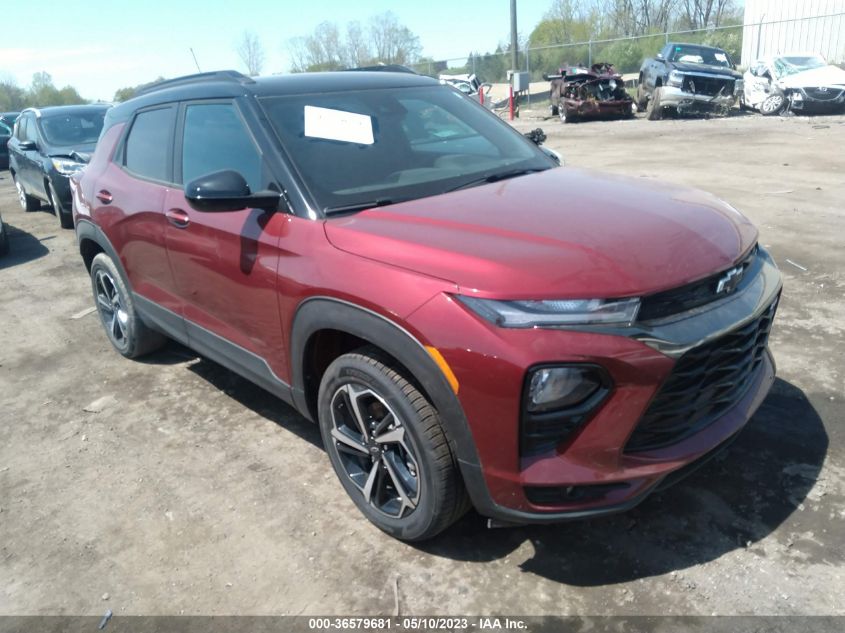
x=67 y=167
x=675 y=79
x=558 y=387
x=525 y=314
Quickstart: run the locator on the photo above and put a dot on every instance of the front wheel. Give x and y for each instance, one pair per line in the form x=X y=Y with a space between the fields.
x=27 y=202
x=654 y=111
x=123 y=325
x=773 y=104
x=387 y=447
x=63 y=215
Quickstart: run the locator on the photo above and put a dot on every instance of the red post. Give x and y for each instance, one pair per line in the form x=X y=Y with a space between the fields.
x=510 y=102
x=481 y=95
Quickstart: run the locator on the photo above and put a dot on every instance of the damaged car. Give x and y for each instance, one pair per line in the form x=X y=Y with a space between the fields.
x=596 y=92
x=688 y=79
x=48 y=145
x=797 y=82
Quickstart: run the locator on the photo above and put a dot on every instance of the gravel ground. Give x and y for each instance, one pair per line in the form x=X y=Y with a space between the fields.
x=173 y=486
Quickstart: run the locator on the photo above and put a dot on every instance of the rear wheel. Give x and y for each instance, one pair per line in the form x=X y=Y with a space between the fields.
x=127 y=332
x=27 y=202
x=63 y=215
x=4 y=238
x=387 y=447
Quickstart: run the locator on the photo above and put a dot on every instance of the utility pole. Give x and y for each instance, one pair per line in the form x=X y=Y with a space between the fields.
x=513 y=36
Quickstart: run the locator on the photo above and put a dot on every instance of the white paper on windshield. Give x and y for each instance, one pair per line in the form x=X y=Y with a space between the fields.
x=721 y=57
x=337 y=125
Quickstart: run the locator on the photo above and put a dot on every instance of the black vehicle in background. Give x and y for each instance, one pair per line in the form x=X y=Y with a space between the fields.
x=46 y=148
x=9 y=118
x=5 y=135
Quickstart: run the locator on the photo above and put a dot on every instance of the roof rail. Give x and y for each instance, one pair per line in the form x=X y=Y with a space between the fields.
x=218 y=75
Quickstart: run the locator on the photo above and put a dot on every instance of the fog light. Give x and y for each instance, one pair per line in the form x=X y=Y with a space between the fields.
x=558 y=387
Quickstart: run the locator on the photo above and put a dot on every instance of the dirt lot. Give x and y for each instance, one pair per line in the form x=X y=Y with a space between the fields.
x=190 y=491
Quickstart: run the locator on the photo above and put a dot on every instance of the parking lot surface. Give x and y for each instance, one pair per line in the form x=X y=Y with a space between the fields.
x=173 y=486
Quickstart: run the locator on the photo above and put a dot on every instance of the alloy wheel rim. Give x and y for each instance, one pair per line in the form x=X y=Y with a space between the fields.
x=112 y=312
x=374 y=450
x=772 y=103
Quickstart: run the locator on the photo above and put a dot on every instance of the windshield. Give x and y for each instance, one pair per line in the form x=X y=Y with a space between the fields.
x=785 y=66
x=701 y=55
x=381 y=146
x=76 y=128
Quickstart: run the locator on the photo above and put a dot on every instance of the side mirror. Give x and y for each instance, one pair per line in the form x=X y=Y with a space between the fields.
x=27 y=146
x=227 y=190
x=659 y=57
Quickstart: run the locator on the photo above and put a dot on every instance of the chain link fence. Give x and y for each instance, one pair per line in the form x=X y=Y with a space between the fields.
x=627 y=53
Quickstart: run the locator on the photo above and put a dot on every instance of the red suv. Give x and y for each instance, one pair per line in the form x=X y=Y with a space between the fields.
x=468 y=322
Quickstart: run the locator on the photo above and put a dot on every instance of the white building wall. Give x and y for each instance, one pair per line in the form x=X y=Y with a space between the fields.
x=816 y=26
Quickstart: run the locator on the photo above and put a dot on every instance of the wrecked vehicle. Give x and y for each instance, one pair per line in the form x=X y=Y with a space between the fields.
x=470 y=85
x=688 y=79
x=798 y=82
x=597 y=92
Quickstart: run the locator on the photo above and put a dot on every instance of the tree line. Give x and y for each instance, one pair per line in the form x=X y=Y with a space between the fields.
x=384 y=39
x=40 y=93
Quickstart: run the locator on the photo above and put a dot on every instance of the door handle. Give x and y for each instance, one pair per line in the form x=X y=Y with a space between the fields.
x=178 y=218
x=104 y=196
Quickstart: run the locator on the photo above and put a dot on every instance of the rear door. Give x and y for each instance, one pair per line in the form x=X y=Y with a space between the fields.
x=128 y=204
x=225 y=263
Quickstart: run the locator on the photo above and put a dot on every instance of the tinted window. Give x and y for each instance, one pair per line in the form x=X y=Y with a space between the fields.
x=148 y=147
x=76 y=128
x=216 y=138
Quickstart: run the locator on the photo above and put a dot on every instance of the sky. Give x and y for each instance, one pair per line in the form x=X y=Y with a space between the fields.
x=98 y=46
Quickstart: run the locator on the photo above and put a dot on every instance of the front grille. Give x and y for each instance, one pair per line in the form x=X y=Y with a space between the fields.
x=709 y=86
x=705 y=382
x=698 y=293
x=823 y=94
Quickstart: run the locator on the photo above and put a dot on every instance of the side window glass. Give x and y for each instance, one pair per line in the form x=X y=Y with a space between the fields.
x=215 y=139
x=147 y=151
x=20 y=129
x=30 y=133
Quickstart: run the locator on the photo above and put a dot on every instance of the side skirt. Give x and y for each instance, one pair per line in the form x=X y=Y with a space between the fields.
x=214 y=347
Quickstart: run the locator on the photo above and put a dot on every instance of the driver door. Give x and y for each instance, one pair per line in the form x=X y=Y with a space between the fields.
x=225 y=263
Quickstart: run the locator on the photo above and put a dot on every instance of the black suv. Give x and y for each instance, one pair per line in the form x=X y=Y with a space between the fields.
x=47 y=146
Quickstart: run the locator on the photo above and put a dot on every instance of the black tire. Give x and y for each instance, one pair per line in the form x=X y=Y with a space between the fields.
x=4 y=239
x=774 y=104
x=654 y=111
x=127 y=332
x=642 y=98
x=27 y=202
x=64 y=216
x=433 y=495
x=566 y=117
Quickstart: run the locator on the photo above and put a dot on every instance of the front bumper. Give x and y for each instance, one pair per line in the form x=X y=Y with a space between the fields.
x=598 y=109
x=639 y=359
x=801 y=101
x=678 y=98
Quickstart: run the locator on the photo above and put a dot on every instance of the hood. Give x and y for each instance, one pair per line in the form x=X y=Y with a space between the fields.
x=59 y=151
x=559 y=233
x=825 y=76
x=686 y=67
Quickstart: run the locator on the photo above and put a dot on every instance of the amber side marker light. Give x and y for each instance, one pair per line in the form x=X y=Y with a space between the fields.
x=444 y=367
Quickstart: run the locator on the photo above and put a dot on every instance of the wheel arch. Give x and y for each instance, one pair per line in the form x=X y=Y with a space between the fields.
x=93 y=241
x=343 y=326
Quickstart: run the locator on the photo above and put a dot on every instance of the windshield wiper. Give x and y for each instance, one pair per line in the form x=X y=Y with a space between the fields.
x=504 y=175
x=362 y=206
